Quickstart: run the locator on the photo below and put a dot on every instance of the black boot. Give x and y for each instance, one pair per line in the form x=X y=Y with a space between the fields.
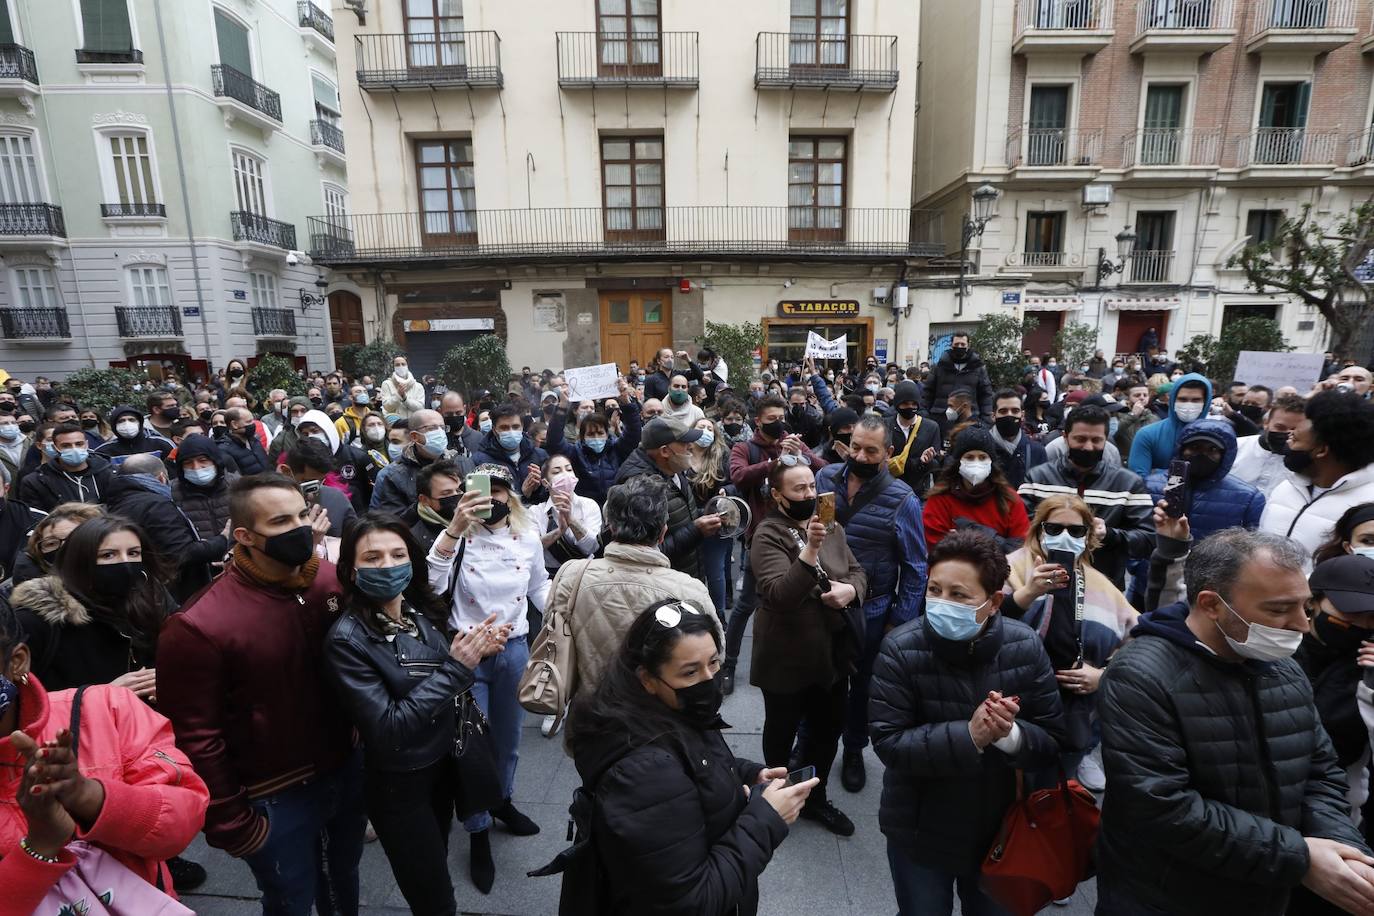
x=481 y=868
x=852 y=775
x=823 y=812
x=515 y=822
x=727 y=678
x=186 y=875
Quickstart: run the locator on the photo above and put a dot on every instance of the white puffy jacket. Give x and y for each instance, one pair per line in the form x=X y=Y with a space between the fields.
x=1294 y=512
x=1257 y=466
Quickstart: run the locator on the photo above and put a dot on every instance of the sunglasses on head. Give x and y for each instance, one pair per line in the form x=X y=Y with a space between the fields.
x=1054 y=528
x=789 y=460
x=670 y=615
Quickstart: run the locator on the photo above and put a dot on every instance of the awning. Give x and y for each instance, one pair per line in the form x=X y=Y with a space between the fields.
x=1147 y=304
x=1051 y=303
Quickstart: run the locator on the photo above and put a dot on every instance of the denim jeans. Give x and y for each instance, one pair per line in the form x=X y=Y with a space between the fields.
x=923 y=891
x=745 y=602
x=498 y=679
x=715 y=560
x=314 y=843
x=856 y=713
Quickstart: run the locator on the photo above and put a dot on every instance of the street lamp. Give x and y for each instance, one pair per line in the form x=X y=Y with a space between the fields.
x=1125 y=247
x=984 y=203
x=314 y=301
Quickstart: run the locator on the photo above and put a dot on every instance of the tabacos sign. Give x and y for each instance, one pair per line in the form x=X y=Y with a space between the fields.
x=819 y=308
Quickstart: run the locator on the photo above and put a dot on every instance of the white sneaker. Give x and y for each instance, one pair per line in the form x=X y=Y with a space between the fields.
x=1090 y=772
x=546 y=727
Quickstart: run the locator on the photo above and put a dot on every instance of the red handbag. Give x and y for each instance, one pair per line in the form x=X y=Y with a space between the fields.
x=1044 y=848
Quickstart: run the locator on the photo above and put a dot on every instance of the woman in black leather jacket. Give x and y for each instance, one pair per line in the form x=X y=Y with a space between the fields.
x=399 y=675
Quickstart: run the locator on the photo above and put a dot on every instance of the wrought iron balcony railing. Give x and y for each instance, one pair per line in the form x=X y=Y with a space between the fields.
x=230 y=83
x=323 y=133
x=783 y=60
x=1287 y=146
x=32 y=219
x=89 y=56
x=253 y=227
x=1183 y=15
x=31 y=323
x=1166 y=146
x=274 y=322
x=17 y=63
x=160 y=321
x=115 y=211
x=311 y=16
x=470 y=60
x=552 y=234
x=1051 y=147
x=588 y=59
x=1303 y=15
x=1151 y=266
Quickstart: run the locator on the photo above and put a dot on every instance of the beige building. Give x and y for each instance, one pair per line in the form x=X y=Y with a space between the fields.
x=1192 y=125
x=596 y=178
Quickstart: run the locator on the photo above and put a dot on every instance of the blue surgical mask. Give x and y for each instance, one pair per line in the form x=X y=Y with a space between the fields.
x=436 y=441
x=597 y=445
x=363 y=399
x=484 y=426
x=382 y=583
x=1112 y=427
x=200 y=476
x=1363 y=552
x=9 y=432
x=707 y=438
x=952 y=620
x=1064 y=541
x=394 y=450
x=510 y=439
x=50 y=451
x=74 y=457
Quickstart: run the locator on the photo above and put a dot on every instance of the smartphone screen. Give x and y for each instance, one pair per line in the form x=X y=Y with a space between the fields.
x=800 y=775
x=1176 y=492
x=825 y=508
x=1066 y=559
x=482 y=484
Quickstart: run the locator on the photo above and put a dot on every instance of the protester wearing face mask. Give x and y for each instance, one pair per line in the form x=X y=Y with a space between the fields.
x=971 y=491
x=665 y=452
x=131 y=438
x=1217 y=499
x=916 y=440
x=959 y=367
x=201 y=487
x=571 y=524
x=1330 y=458
x=70 y=474
x=426 y=441
x=286 y=437
x=1156 y=444
x=509 y=446
x=350 y=422
x=399 y=677
x=401 y=393
x=961 y=700
x=1018 y=450
x=48 y=534
x=439 y=486
x=1353 y=534
x=13 y=444
x=840 y=424
x=1259 y=459
x=372 y=442
x=348 y=473
x=596 y=454
x=1208 y=724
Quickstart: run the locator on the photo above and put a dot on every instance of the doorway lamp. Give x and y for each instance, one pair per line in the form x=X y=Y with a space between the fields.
x=309 y=300
x=1125 y=247
x=984 y=202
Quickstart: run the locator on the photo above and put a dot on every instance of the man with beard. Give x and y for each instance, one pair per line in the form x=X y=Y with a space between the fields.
x=1259 y=459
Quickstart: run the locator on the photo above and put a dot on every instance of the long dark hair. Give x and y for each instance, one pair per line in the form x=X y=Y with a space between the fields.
x=620 y=706
x=948 y=480
x=145 y=607
x=1344 y=531
x=418 y=593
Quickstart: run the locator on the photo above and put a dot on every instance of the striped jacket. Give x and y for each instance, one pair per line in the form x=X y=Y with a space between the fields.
x=1115 y=494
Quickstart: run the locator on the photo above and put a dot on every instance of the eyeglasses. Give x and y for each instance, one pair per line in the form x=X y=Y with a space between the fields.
x=1054 y=528
x=48 y=545
x=670 y=615
x=789 y=460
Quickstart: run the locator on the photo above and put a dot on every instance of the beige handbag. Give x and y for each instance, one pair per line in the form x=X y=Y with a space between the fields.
x=551 y=673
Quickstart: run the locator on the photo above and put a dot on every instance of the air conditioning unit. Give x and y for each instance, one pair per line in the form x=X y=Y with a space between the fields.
x=1097 y=195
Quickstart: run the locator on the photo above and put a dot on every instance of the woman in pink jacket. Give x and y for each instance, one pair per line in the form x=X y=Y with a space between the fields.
x=133 y=795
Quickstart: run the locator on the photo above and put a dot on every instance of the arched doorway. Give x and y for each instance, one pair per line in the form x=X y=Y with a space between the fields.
x=345 y=319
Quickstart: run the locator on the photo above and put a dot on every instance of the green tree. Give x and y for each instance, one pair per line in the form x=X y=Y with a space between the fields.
x=372 y=359
x=273 y=371
x=735 y=343
x=105 y=389
x=479 y=363
x=1197 y=354
x=1075 y=343
x=997 y=341
x=1217 y=358
x=1317 y=263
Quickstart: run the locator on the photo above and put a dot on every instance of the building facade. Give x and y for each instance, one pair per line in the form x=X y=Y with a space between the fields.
x=1193 y=125
x=157 y=160
x=594 y=179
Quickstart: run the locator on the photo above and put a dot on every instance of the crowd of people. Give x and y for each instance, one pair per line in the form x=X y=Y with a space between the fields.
x=302 y=623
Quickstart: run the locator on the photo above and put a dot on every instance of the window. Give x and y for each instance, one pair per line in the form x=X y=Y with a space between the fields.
x=335 y=203
x=264 y=290
x=632 y=187
x=36 y=288
x=232 y=38
x=149 y=287
x=1282 y=119
x=434 y=33
x=1263 y=225
x=820 y=33
x=133 y=170
x=326 y=100
x=628 y=35
x=448 y=191
x=1162 y=136
x=1044 y=239
x=250 y=184
x=815 y=188
x=1047 y=135
x=19 y=178
x=7 y=33
x=105 y=28
x=1154 y=247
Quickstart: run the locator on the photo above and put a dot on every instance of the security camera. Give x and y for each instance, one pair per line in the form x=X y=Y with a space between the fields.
x=292 y=259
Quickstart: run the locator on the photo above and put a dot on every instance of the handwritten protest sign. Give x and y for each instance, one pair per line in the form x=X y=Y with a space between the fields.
x=591 y=382
x=819 y=348
x=1274 y=370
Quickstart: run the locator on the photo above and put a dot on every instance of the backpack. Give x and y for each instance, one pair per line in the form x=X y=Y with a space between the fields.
x=550 y=676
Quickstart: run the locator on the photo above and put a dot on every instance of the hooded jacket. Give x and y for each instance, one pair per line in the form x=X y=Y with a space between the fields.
x=52 y=484
x=207 y=507
x=349 y=474
x=169 y=530
x=1216 y=770
x=945 y=377
x=1155 y=444
x=142 y=443
x=1219 y=500
x=492 y=452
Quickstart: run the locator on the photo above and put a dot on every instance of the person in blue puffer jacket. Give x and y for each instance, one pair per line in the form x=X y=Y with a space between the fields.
x=596 y=455
x=1155 y=444
x=1217 y=500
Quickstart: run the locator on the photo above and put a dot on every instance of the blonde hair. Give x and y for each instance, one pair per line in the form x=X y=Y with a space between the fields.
x=1155 y=382
x=707 y=464
x=1052 y=504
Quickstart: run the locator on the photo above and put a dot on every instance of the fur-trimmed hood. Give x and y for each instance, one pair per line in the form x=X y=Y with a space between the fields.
x=49 y=599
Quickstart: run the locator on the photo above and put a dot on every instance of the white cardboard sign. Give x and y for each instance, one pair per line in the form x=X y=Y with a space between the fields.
x=591 y=382
x=1274 y=370
x=818 y=347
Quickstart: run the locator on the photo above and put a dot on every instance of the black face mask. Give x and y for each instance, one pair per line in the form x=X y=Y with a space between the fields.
x=773 y=430
x=449 y=504
x=49 y=557
x=317 y=401
x=700 y=703
x=111 y=580
x=27 y=426
x=499 y=510
x=800 y=510
x=958 y=354
x=171 y=413
x=206 y=416
x=1337 y=636
x=733 y=429
x=906 y=413
x=798 y=411
x=290 y=548
x=1086 y=458
x=1201 y=467
x=1007 y=427
x=455 y=421
x=90 y=423
x=1277 y=442
x=862 y=470
x=1251 y=412
x=1297 y=460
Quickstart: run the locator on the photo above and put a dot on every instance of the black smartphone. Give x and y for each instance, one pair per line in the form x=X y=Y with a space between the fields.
x=1176 y=492
x=1066 y=559
x=802 y=774
x=1064 y=599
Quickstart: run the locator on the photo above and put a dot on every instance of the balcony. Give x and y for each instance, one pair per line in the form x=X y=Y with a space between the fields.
x=258 y=229
x=698 y=233
x=241 y=97
x=1313 y=26
x=1062 y=26
x=133 y=213
x=658 y=60
x=279 y=324
x=35 y=325
x=1197 y=26
x=316 y=27
x=449 y=60
x=1054 y=153
x=149 y=322
x=18 y=74
x=864 y=63
x=1045 y=262
x=89 y=56
x=1287 y=153
x=1151 y=266
x=327 y=140
x=1171 y=153
x=23 y=224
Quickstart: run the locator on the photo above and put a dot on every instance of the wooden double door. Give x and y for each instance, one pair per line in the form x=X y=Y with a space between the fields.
x=634 y=325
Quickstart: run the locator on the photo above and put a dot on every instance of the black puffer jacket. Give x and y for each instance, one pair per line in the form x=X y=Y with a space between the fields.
x=683 y=540
x=1216 y=771
x=206 y=507
x=943 y=801
x=675 y=840
x=170 y=532
x=945 y=377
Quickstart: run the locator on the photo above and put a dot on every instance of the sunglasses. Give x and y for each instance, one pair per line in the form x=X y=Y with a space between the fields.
x=670 y=615
x=1054 y=528
x=790 y=460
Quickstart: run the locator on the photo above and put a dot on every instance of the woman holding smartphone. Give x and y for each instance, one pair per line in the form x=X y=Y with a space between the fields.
x=490 y=560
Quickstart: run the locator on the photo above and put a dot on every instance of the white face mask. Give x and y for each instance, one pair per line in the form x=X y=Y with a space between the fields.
x=127 y=428
x=1363 y=552
x=1187 y=412
x=1263 y=643
x=402 y=372
x=974 y=471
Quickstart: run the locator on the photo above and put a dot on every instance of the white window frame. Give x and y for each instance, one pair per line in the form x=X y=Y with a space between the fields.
x=134 y=38
x=16 y=285
x=263 y=290
x=252 y=36
x=37 y=149
x=132 y=277
x=330 y=189
x=236 y=151
x=325 y=77
x=105 y=156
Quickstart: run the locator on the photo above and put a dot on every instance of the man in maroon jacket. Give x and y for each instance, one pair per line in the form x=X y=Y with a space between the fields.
x=240 y=676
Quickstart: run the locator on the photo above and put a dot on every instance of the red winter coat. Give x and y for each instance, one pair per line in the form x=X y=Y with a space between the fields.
x=154 y=801
x=943 y=511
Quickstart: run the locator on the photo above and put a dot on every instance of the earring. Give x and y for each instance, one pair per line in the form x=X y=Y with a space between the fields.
x=24 y=680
